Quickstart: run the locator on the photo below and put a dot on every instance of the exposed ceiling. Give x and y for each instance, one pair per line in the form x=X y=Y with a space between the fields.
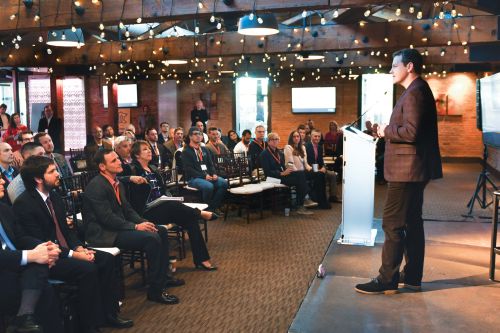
x=127 y=40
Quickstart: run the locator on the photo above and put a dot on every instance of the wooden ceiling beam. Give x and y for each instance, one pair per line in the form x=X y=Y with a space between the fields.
x=59 y=14
x=334 y=38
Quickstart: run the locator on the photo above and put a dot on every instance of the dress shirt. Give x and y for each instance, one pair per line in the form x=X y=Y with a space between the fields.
x=44 y=198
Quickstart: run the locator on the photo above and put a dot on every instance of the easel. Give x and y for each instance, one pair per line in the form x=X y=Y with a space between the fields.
x=482 y=187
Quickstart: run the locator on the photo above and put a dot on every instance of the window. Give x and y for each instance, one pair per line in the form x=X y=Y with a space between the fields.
x=377 y=96
x=252 y=107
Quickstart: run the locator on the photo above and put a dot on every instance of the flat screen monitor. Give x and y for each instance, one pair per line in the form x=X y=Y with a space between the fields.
x=313 y=100
x=490 y=109
x=127 y=95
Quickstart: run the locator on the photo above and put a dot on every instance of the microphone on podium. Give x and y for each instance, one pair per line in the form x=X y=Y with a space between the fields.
x=368 y=109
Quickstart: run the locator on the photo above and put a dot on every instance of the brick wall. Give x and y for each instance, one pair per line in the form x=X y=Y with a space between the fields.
x=220 y=96
x=98 y=115
x=458 y=134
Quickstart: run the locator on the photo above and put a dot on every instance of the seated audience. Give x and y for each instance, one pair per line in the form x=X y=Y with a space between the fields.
x=164 y=134
x=4 y=117
x=157 y=149
x=199 y=171
x=332 y=138
x=110 y=220
x=296 y=160
x=167 y=211
x=42 y=215
x=232 y=139
x=16 y=187
x=15 y=128
x=24 y=270
x=62 y=165
x=314 y=152
x=215 y=145
x=22 y=138
x=273 y=163
x=257 y=146
x=8 y=172
x=243 y=145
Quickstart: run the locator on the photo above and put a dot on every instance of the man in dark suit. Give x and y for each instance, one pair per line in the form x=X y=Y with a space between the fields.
x=111 y=221
x=163 y=136
x=158 y=150
x=412 y=158
x=199 y=113
x=42 y=215
x=51 y=125
x=24 y=267
x=257 y=146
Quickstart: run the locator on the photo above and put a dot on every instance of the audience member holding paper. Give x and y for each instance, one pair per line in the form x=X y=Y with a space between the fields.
x=165 y=211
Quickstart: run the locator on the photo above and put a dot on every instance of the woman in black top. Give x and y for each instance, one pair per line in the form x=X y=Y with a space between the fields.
x=167 y=211
x=232 y=139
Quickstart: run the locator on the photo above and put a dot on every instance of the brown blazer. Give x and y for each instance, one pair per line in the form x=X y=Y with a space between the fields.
x=412 y=146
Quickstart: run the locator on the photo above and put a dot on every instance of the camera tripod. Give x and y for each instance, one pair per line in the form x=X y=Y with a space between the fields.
x=482 y=187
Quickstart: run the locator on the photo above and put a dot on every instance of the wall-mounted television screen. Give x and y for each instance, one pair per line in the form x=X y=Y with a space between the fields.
x=127 y=95
x=313 y=100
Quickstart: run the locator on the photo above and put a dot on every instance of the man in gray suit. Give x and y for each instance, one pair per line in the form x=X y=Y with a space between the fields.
x=412 y=158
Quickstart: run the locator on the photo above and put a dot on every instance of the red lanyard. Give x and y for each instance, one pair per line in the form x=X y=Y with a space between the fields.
x=199 y=152
x=262 y=146
x=278 y=159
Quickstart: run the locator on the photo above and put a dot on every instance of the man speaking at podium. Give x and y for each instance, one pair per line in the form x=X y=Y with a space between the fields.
x=412 y=158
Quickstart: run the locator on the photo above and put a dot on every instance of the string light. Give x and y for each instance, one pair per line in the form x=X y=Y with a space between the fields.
x=419 y=15
x=398 y=11
x=335 y=13
x=200 y=4
x=411 y=9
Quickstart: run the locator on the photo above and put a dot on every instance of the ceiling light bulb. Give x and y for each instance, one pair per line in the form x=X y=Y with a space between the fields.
x=139 y=20
x=260 y=20
x=19 y=38
x=453 y=11
x=473 y=27
x=398 y=11
x=441 y=13
x=40 y=39
x=151 y=32
x=16 y=46
x=304 y=13
x=323 y=21
x=12 y=17
x=219 y=25
x=127 y=33
x=212 y=18
x=251 y=16
x=419 y=15
x=103 y=34
x=77 y=3
x=335 y=13
x=200 y=5
x=411 y=9
x=63 y=36
x=197 y=29
x=49 y=51
x=54 y=33
x=121 y=25
x=101 y=26
x=73 y=28
x=367 y=12
x=37 y=17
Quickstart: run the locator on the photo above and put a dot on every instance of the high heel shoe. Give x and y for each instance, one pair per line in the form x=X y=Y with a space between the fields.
x=207 y=268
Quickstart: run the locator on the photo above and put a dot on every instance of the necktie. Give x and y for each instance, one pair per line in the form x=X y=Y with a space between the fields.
x=59 y=234
x=116 y=188
x=6 y=243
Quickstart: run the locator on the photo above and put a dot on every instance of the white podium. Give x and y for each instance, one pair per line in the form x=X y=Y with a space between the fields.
x=358 y=188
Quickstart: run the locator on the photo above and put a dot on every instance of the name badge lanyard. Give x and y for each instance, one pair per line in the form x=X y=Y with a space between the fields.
x=277 y=159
